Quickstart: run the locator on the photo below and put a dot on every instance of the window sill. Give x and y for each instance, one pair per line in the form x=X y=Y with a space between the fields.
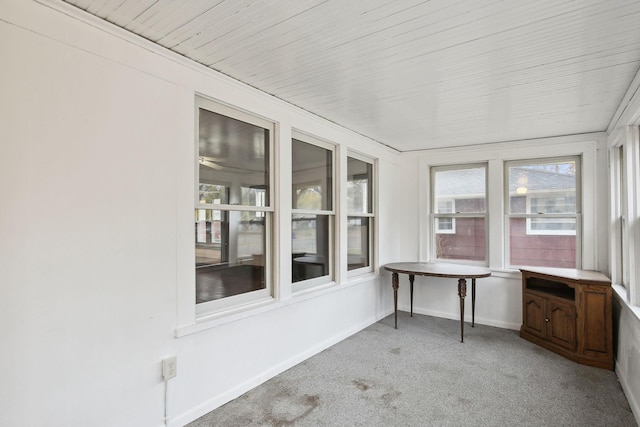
x=506 y=274
x=266 y=305
x=228 y=316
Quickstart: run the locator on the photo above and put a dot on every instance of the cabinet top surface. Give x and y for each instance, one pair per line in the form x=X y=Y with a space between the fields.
x=570 y=273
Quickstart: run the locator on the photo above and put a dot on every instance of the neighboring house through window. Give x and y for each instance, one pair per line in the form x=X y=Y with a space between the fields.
x=543 y=211
x=459 y=214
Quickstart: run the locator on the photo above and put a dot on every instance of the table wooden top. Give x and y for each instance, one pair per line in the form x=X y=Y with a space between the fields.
x=439 y=269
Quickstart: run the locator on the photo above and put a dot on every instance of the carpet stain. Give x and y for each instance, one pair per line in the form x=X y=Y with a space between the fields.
x=395 y=350
x=302 y=406
x=464 y=400
x=361 y=385
x=389 y=398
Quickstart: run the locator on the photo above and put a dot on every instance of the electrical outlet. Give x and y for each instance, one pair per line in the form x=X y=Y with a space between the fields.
x=169 y=367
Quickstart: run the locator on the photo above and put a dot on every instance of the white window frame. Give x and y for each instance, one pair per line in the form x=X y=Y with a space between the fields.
x=371 y=215
x=247 y=299
x=532 y=231
x=624 y=162
x=451 y=230
x=495 y=155
x=433 y=216
x=577 y=216
x=328 y=278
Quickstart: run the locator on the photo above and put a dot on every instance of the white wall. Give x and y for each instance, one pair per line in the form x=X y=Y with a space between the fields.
x=96 y=251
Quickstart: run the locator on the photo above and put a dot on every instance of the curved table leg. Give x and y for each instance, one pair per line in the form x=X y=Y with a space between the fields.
x=411 y=277
x=395 y=283
x=462 y=292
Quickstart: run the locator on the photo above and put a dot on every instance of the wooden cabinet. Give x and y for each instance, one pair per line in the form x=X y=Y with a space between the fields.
x=568 y=311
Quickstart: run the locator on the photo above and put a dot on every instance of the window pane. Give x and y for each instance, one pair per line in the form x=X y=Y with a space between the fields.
x=231 y=151
x=310 y=246
x=460 y=190
x=357 y=242
x=359 y=186
x=548 y=250
x=543 y=188
x=312 y=176
x=465 y=241
x=230 y=253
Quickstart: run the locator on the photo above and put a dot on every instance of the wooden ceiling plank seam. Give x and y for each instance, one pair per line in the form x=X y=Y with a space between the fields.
x=280 y=43
x=228 y=40
x=545 y=48
x=199 y=41
x=208 y=21
x=98 y=8
x=151 y=16
x=456 y=24
x=180 y=18
x=212 y=62
x=386 y=27
x=83 y=4
x=327 y=40
x=558 y=63
x=129 y=11
x=243 y=18
x=464 y=42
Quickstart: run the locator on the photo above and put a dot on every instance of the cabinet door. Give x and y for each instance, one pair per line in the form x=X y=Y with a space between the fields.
x=595 y=307
x=534 y=315
x=562 y=323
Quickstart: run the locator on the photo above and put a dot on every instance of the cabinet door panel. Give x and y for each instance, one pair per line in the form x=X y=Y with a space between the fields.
x=562 y=324
x=534 y=315
x=594 y=307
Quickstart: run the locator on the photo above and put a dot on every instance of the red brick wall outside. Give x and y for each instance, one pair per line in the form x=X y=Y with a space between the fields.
x=540 y=250
x=469 y=243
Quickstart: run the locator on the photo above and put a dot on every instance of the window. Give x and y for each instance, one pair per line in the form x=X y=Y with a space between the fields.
x=543 y=212
x=233 y=206
x=360 y=215
x=625 y=177
x=459 y=213
x=312 y=221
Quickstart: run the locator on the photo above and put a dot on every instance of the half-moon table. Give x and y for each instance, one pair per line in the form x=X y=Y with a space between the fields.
x=438 y=269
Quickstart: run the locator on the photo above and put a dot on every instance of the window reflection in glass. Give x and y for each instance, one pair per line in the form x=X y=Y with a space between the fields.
x=231 y=151
x=358 y=244
x=312 y=191
x=230 y=253
x=310 y=246
x=359 y=188
x=312 y=176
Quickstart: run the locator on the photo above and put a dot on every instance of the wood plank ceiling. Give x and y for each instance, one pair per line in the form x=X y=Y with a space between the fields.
x=412 y=74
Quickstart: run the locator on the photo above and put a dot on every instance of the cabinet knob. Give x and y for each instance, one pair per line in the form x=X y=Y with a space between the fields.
x=546 y=320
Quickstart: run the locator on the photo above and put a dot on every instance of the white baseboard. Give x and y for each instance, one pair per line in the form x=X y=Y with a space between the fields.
x=456 y=316
x=240 y=389
x=628 y=392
